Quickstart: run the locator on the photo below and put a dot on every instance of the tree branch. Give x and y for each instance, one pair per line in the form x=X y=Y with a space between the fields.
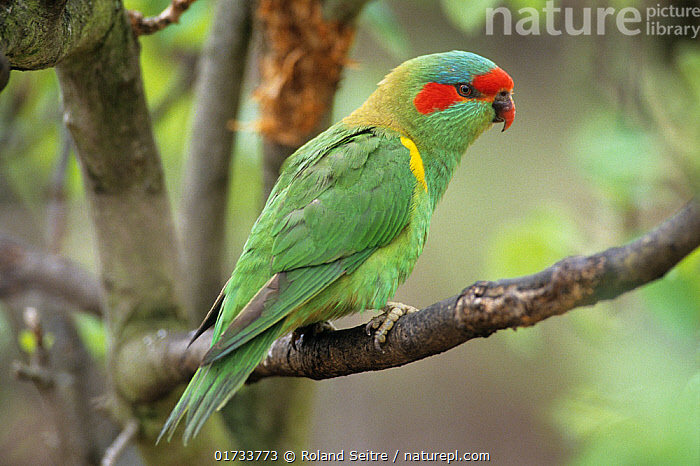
x=479 y=311
x=207 y=166
x=96 y=56
x=38 y=34
x=64 y=375
x=110 y=125
x=486 y=307
x=97 y=61
x=125 y=437
x=22 y=268
x=144 y=26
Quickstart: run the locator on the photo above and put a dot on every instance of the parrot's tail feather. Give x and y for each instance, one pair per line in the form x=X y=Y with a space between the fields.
x=213 y=385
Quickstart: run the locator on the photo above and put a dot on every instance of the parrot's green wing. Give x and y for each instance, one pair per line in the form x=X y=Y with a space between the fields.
x=330 y=211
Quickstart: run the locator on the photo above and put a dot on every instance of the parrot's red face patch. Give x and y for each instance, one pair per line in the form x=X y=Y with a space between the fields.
x=436 y=96
x=493 y=82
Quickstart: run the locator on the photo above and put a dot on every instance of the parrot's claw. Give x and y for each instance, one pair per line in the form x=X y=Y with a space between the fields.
x=313 y=329
x=384 y=322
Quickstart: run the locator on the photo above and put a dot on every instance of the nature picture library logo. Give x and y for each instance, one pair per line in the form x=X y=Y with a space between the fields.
x=659 y=20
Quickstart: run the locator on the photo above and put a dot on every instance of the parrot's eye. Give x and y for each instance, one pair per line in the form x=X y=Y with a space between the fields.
x=465 y=90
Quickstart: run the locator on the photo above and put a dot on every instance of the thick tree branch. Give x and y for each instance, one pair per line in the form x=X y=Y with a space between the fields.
x=97 y=62
x=479 y=311
x=22 y=268
x=106 y=112
x=108 y=118
x=38 y=34
x=207 y=166
x=486 y=307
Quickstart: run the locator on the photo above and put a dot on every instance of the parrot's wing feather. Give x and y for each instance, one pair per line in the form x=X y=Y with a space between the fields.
x=284 y=292
x=356 y=196
x=211 y=317
x=333 y=210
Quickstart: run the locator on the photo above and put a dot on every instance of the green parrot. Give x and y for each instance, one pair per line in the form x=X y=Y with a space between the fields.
x=347 y=219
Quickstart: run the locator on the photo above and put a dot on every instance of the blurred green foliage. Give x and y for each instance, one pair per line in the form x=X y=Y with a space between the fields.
x=623 y=163
x=382 y=23
x=30 y=137
x=533 y=242
x=455 y=11
x=674 y=300
x=672 y=94
x=637 y=402
x=92 y=333
x=29 y=344
x=636 y=399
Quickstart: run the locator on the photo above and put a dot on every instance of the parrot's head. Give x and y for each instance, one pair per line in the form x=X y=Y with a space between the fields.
x=462 y=86
x=444 y=98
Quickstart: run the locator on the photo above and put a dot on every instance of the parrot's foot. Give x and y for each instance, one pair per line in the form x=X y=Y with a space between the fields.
x=382 y=323
x=313 y=329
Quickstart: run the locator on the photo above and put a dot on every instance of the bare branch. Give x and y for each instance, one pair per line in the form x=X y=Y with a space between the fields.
x=65 y=376
x=39 y=376
x=22 y=268
x=125 y=437
x=107 y=115
x=145 y=26
x=111 y=130
x=479 y=311
x=486 y=307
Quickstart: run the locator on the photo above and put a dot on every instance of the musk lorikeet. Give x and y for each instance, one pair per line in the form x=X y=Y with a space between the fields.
x=348 y=217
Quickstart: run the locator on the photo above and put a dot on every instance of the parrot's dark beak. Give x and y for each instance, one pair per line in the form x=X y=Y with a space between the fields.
x=505 y=109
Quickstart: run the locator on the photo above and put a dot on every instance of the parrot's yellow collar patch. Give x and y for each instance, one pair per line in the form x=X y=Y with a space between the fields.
x=416 y=162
